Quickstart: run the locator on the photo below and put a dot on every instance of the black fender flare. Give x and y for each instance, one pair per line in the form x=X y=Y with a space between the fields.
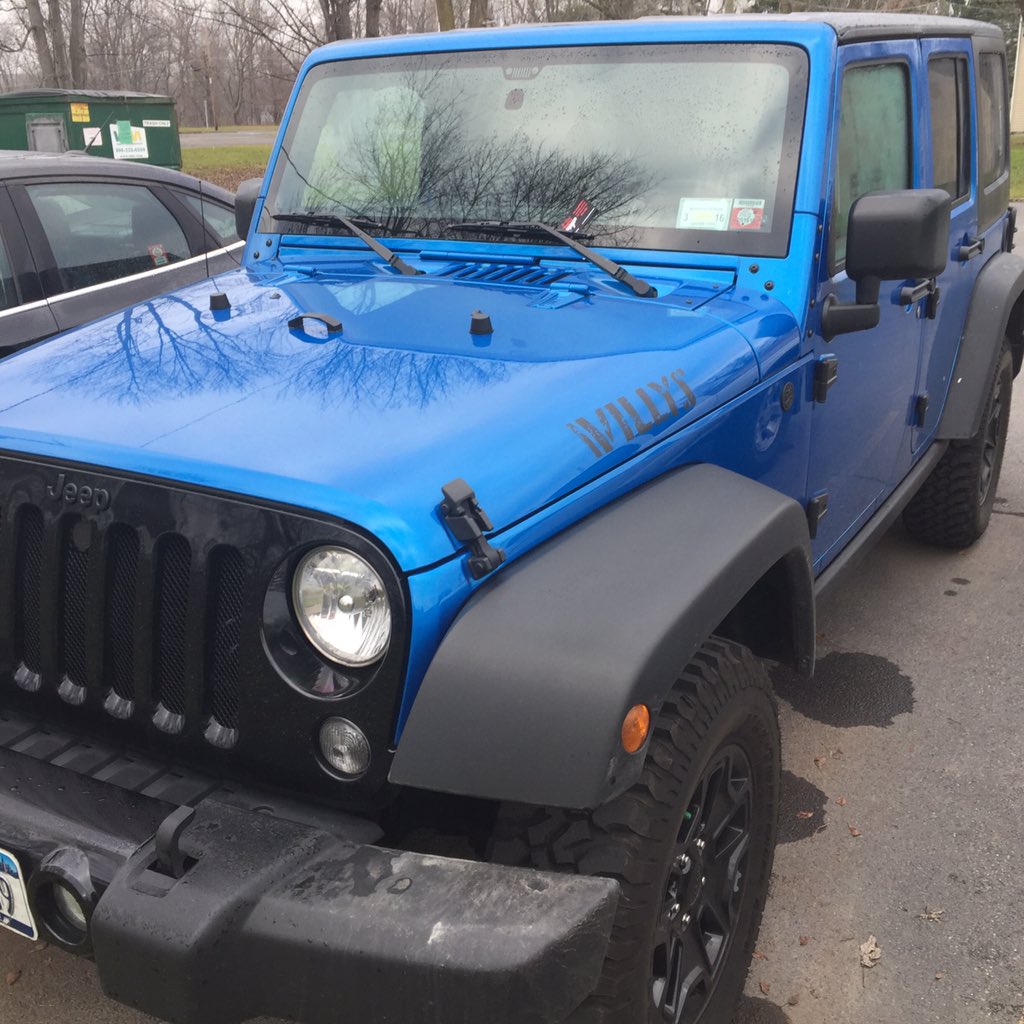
x=996 y=291
x=525 y=696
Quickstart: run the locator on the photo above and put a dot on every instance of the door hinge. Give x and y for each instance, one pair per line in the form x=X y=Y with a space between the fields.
x=826 y=370
x=920 y=408
x=817 y=509
x=467 y=521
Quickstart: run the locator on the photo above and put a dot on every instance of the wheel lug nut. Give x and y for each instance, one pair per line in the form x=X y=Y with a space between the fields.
x=700 y=844
x=702 y=879
x=673 y=910
x=684 y=920
x=682 y=863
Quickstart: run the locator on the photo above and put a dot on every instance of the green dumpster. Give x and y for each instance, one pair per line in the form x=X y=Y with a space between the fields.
x=124 y=125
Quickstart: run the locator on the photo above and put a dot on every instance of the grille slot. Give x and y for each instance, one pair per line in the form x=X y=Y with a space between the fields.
x=224 y=635
x=173 y=560
x=74 y=603
x=122 y=573
x=528 y=275
x=28 y=575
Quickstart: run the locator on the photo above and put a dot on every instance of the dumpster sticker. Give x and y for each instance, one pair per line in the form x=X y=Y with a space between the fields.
x=128 y=141
x=703 y=214
x=80 y=113
x=156 y=124
x=747 y=215
x=92 y=137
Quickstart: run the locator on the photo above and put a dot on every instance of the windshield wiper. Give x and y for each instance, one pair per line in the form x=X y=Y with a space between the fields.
x=536 y=228
x=335 y=220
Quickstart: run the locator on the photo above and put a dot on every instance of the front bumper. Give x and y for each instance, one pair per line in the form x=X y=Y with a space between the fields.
x=276 y=918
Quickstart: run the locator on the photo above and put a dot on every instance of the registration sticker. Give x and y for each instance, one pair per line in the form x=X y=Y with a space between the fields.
x=14 y=911
x=703 y=214
x=747 y=215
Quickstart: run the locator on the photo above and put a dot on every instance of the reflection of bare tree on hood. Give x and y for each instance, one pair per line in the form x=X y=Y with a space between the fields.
x=148 y=357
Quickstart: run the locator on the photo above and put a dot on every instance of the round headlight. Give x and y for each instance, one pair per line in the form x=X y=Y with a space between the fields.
x=342 y=606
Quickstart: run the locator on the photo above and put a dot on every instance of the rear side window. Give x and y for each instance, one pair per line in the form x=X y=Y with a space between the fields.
x=8 y=296
x=875 y=141
x=218 y=219
x=951 y=130
x=992 y=129
x=101 y=231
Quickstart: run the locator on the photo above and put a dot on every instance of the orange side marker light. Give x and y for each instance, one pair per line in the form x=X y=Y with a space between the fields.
x=635 y=727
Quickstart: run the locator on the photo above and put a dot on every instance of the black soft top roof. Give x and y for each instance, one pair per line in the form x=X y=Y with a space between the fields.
x=18 y=163
x=865 y=25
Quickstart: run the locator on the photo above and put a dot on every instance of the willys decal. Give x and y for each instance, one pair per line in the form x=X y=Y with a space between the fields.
x=626 y=418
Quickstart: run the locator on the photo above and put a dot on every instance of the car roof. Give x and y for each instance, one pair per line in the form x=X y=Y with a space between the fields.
x=862 y=25
x=17 y=163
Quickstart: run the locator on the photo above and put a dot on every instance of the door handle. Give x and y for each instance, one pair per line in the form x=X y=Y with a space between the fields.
x=911 y=294
x=973 y=247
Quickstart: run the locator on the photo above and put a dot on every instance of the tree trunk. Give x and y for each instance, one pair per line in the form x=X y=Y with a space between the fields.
x=58 y=46
x=37 y=29
x=374 y=17
x=478 y=13
x=445 y=15
x=76 y=48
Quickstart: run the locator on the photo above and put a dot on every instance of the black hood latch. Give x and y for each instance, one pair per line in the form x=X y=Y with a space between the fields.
x=467 y=521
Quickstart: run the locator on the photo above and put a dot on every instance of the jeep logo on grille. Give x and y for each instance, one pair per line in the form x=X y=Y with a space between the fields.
x=71 y=493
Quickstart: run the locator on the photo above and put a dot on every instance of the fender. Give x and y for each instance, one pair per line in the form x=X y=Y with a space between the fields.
x=525 y=697
x=1000 y=284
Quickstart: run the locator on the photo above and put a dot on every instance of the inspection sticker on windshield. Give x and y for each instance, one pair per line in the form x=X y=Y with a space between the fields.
x=14 y=911
x=747 y=215
x=703 y=214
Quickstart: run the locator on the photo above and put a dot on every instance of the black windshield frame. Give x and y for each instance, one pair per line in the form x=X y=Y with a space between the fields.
x=771 y=243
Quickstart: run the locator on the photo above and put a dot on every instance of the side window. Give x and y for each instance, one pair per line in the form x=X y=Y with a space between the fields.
x=992 y=141
x=100 y=231
x=8 y=296
x=951 y=130
x=874 y=141
x=219 y=219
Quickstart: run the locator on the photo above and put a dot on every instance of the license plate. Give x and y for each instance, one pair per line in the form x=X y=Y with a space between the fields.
x=14 y=912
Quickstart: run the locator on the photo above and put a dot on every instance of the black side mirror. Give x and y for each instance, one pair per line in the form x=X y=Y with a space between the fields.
x=891 y=236
x=245 y=204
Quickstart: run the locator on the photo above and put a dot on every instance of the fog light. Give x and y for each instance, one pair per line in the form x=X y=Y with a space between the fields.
x=63 y=914
x=66 y=904
x=344 y=747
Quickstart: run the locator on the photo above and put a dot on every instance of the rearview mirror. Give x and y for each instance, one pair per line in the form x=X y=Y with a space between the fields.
x=892 y=236
x=245 y=204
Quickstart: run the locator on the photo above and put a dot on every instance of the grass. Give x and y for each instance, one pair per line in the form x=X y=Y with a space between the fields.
x=226 y=165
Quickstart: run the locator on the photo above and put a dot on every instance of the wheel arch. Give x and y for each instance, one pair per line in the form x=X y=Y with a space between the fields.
x=996 y=311
x=525 y=696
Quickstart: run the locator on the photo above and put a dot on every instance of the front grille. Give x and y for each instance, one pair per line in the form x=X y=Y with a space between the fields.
x=145 y=619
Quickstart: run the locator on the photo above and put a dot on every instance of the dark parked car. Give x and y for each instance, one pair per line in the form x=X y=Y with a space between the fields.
x=82 y=236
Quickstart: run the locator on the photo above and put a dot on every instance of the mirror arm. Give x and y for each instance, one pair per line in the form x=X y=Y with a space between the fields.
x=868 y=288
x=844 y=318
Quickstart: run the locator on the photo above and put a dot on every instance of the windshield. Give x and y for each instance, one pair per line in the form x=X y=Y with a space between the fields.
x=680 y=146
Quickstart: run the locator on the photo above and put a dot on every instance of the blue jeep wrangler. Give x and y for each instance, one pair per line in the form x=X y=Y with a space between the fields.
x=382 y=626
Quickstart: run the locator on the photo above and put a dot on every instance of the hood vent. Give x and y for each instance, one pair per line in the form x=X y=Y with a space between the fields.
x=530 y=275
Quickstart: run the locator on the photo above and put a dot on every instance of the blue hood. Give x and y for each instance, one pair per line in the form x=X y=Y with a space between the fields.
x=367 y=425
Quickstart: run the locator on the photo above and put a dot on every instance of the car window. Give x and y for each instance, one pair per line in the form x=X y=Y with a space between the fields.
x=219 y=219
x=992 y=142
x=99 y=232
x=951 y=130
x=8 y=296
x=874 y=141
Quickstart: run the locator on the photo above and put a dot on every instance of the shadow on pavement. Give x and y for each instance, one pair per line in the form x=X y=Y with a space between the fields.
x=798 y=797
x=759 y=1011
x=848 y=690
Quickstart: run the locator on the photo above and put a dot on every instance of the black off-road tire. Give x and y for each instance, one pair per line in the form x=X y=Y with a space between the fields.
x=718 y=724
x=954 y=505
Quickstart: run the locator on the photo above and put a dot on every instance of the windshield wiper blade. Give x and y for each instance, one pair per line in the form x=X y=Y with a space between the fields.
x=335 y=220
x=536 y=228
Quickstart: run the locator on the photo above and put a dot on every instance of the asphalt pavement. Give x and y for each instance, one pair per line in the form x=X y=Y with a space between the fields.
x=902 y=805
x=242 y=137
